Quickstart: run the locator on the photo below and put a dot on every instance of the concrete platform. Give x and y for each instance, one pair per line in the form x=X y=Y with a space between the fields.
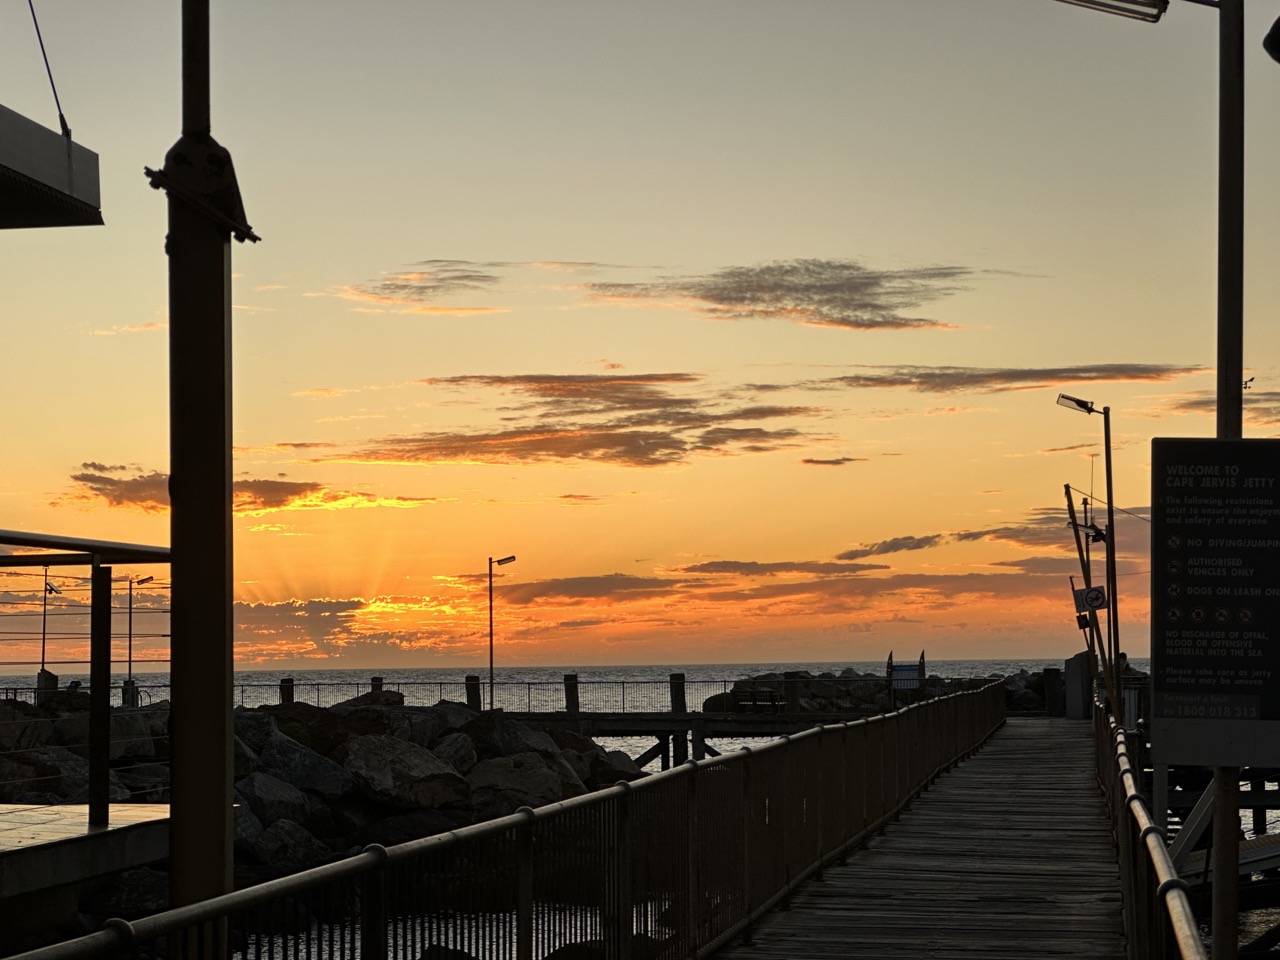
x=42 y=847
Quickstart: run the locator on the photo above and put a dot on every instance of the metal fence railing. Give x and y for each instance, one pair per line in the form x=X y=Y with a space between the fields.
x=44 y=753
x=672 y=866
x=1159 y=922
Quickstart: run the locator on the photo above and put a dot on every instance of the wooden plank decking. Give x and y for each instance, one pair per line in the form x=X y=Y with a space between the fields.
x=1008 y=855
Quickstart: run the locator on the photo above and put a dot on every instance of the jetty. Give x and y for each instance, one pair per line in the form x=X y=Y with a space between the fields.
x=943 y=828
x=1007 y=855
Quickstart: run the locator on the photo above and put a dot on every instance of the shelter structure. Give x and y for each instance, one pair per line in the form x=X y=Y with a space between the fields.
x=46 y=178
x=98 y=555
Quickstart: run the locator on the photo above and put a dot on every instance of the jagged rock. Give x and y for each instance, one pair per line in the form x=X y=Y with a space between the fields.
x=64 y=703
x=1026 y=700
x=56 y=770
x=501 y=785
x=374 y=698
x=400 y=774
x=290 y=847
x=22 y=727
x=404 y=827
x=272 y=799
x=248 y=828
x=286 y=759
x=131 y=734
x=147 y=782
x=254 y=727
x=456 y=715
x=243 y=760
x=615 y=765
x=457 y=750
x=720 y=703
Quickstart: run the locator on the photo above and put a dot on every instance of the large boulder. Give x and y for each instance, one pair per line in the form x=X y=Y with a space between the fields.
x=374 y=698
x=286 y=759
x=501 y=785
x=289 y=847
x=457 y=750
x=404 y=827
x=22 y=727
x=272 y=799
x=399 y=774
x=131 y=733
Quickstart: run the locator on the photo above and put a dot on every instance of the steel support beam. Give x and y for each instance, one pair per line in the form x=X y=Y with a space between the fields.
x=100 y=696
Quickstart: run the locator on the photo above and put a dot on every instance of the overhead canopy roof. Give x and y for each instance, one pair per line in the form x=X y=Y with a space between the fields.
x=76 y=551
x=46 y=179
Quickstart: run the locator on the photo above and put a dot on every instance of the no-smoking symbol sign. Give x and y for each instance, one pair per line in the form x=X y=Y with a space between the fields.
x=1095 y=598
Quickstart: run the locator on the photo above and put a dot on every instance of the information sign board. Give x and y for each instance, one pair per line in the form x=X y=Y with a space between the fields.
x=1215 y=601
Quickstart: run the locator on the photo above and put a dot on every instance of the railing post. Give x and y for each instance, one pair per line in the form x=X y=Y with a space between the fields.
x=129 y=694
x=677 y=693
x=524 y=886
x=373 y=907
x=473 y=692
x=286 y=690
x=618 y=914
x=570 y=693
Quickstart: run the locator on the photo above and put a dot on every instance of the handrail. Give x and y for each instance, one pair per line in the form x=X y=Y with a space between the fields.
x=1156 y=902
x=675 y=864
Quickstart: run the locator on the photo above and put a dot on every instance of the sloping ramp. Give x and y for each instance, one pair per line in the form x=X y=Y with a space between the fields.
x=1008 y=855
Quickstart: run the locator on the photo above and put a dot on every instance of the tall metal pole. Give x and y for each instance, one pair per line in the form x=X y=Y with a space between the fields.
x=1226 y=780
x=491 y=633
x=205 y=211
x=44 y=617
x=131 y=628
x=1113 y=606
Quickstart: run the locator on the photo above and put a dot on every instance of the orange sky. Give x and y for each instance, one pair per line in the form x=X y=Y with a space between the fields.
x=740 y=327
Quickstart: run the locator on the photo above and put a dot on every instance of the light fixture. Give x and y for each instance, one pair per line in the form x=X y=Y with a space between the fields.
x=1149 y=11
x=1075 y=403
x=493 y=563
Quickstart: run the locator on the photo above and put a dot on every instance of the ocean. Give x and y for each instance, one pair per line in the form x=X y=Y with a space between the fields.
x=604 y=688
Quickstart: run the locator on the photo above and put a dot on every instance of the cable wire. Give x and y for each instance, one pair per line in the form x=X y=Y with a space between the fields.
x=66 y=130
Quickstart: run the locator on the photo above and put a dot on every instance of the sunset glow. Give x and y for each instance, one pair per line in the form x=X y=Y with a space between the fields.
x=742 y=324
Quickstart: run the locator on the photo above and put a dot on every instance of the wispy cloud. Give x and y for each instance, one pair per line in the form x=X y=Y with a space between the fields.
x=251 y=497
x=755 y=568
x=626 y=419
x=1002 y=379
x=415 y=291
x=826 y=293
x=835 y=462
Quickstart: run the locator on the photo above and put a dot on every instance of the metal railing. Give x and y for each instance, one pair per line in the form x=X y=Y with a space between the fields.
x=1159 y=922
x=45 y=756
x=672 y=866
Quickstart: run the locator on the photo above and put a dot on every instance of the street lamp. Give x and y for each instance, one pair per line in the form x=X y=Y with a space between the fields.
x=44 y=614
x=493 y=563
x=1148 y=10
x=1109 y=537
x=139 y=582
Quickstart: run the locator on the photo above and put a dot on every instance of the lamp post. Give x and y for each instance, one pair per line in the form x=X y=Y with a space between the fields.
x=1230 y=357
x=493 y=563
x=1113 y=621
x=139 y=582
x=44 y=614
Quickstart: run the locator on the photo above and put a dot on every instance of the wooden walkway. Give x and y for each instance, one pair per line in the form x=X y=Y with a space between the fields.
x=1007 y=855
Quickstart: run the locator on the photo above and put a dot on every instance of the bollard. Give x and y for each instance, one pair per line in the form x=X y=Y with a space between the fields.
x=375 y=684
x=129 y=693
x=571 y=693
x=46 y=685
x=677 y=693
x=286 y=690
x=473 y=692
